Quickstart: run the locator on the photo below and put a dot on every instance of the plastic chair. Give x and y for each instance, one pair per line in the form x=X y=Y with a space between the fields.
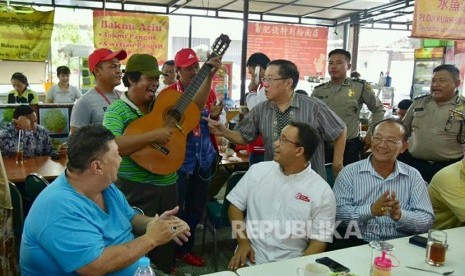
x=217 y=214
x=329 y=174
x=18 y=211
x=34 y=184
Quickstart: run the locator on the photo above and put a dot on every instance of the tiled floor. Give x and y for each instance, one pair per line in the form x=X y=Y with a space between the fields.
x=226 y=247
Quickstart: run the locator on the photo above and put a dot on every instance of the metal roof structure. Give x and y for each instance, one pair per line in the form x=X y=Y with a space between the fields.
x=382 y=14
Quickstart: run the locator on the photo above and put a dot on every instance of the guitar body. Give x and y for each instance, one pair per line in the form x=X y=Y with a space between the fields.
x=176 y=111
x=167 y=158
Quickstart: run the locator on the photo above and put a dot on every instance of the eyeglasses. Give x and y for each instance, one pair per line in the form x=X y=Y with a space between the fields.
x=284 y=140
x=271 y=80
x=389 y=141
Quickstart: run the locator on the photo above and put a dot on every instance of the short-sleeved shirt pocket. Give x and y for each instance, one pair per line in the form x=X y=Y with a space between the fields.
x=298 y=216
x=418 y=118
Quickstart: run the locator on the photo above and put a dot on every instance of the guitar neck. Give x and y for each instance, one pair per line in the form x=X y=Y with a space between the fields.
x=193 y=87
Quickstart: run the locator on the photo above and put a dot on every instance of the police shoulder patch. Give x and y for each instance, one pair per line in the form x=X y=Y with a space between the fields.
x=320 y=85
x=421 y=96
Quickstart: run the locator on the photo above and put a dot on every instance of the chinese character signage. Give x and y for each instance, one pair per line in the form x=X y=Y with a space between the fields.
x=25 y=36
x=439 y=19
x=303 y=45
x=134 y=32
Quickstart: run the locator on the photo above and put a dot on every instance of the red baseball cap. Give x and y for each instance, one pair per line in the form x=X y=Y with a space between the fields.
x=185 y=58
x=103 y=54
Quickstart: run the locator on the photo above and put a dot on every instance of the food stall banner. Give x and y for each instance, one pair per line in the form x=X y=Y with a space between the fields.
x=439 y=19
x=25 y=36
x=134 y=32
x=303 y=45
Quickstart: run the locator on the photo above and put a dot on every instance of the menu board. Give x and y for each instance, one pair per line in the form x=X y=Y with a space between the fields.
x=304 y=45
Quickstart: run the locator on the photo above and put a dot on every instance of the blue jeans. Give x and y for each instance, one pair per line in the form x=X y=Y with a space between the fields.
x=192 y=199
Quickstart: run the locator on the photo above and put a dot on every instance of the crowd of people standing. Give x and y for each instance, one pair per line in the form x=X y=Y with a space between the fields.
x=291 y=137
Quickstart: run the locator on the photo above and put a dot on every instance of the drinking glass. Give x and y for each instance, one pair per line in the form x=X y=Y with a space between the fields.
x=436 y=247
x=19 y=154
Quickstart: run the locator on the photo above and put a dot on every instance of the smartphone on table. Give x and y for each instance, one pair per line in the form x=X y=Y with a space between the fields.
x=332 y=264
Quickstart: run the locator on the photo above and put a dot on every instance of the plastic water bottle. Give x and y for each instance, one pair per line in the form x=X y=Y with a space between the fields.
x=381 y=80
x=144 y=268
x=388 y=80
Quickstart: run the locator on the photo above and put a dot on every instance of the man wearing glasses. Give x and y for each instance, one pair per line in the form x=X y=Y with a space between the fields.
x=268 y=118
x=436 y=122
x=380 y=196
x=290 y=208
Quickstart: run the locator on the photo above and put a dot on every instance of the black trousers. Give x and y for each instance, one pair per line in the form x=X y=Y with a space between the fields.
x=351 y=153
x=427 y=169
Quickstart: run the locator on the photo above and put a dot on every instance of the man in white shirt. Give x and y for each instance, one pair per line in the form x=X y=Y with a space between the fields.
x=256 y=66
x=290 y=208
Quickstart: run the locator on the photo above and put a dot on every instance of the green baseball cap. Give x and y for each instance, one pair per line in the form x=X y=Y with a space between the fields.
x=143 y=63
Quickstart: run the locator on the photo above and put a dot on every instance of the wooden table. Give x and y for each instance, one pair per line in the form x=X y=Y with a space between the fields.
x=234 y=165
x=42 y=165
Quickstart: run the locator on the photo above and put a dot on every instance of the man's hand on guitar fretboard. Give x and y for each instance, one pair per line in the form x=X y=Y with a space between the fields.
x=216 y=64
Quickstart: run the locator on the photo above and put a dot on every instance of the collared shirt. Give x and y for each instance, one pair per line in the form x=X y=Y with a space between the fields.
x=28 y=97
x=118 y=116
x=199 y=147
x=35 y=143
x=284 y=211
x=358 y=186
x=255 y=97
x=262 y=120
x=434 y=129
x=348 y=101
x=447 y=194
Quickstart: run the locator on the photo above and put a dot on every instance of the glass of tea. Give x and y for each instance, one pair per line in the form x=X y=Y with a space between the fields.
x=19 y=153
x=436 y=247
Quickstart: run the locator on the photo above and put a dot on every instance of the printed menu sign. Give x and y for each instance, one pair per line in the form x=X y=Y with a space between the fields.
x=439 y=19
x=303 y=45
x=134 y=32
x=25 y=36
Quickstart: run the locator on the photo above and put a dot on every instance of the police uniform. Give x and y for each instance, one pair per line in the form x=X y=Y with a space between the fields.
x=437 y=135
x=347 y=103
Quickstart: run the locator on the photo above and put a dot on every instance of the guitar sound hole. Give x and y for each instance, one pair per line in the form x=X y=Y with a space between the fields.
x=173 y=116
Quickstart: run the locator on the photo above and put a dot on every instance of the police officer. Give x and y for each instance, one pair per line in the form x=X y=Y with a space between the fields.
x=345 y=96
x=436 y=124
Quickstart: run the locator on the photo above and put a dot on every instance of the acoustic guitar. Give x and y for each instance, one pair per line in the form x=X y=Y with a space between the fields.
x=174 y=110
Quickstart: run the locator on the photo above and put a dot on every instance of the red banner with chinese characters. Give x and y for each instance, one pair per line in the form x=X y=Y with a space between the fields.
x=303 y=45
x=137 y=33
x=439 y=19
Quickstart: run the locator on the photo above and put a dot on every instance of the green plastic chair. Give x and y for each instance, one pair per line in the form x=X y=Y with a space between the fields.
x=34 y=184
x=329 y=174
x=217 y=214
x=18 y=211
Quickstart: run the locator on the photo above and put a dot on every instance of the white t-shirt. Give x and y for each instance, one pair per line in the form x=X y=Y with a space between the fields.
x=284 y=212
x=56 y=95
x=254 y=98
